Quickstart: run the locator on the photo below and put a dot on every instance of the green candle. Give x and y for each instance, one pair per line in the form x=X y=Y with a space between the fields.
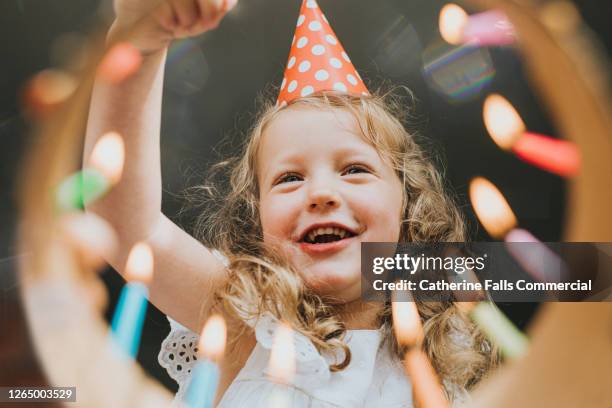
x=81 y=188
x=496 y=326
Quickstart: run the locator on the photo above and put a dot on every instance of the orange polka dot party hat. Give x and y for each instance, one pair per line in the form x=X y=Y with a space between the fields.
x=317 y=60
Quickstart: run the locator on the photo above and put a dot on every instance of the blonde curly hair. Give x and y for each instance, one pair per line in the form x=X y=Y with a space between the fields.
x=262 y=280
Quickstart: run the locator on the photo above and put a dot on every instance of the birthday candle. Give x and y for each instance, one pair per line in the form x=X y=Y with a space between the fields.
x=487 y=28
x=46 y=90
x=281 y=366
x=120 y=62
x=205 y=375
x=507 y=129
x=535 y=257
x=409 y=332
x=497 y=327
x=497 y=217
x=91 y=183
x=130 y=311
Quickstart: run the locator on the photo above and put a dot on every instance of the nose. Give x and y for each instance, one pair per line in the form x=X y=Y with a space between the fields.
x=323 y=198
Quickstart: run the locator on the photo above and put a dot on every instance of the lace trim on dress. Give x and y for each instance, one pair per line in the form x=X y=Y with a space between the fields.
x=178 y=355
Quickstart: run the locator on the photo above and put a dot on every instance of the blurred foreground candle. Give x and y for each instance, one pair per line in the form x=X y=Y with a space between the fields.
x=491 y=208
x=427 y=389
x=130 y=311
x=281 y=367
x=120 y=62
x=507 y=129
x=205 y=375
x=535 y=257
x=497 y=327
x=91 y=183
x=46 y=90
x=487 y=28
x=497 y=217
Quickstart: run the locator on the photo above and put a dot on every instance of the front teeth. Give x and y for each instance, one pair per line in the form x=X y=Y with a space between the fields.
x=327 y=230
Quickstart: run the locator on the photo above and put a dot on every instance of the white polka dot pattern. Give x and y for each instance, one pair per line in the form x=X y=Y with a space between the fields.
x=321 y=75
x=318 y=49
x=304 y=66
x=292 y=85
x=291 y=62
x=314 y=26
x=307 y=90
x=335 y=62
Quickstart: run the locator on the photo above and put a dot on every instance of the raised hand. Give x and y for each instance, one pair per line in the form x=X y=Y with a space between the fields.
x=152 y=24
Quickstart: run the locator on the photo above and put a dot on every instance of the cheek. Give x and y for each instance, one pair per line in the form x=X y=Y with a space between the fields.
x=384 y=216
x=277 y=216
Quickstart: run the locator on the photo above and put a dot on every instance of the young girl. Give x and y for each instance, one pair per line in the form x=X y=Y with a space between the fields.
x=317 y=176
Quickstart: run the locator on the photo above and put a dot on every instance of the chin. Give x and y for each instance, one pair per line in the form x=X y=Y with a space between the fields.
x=334 y=283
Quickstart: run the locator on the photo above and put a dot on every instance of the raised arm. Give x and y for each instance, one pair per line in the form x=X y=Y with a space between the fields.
x=186 y=272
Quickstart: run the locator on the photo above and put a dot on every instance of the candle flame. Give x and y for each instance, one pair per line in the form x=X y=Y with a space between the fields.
x=452 y=22
x=139 y=265
x=47 y=89
x=213 y=338
x=502 y=121
x=120 y=62
x=108 y=156
x=407 y=323
x=282 y=357
x=491 y=207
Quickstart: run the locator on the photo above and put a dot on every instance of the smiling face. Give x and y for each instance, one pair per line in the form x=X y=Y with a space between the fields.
x=323 y=189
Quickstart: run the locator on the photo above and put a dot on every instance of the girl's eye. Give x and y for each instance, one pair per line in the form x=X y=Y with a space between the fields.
x=355 y=169
x=288 y=178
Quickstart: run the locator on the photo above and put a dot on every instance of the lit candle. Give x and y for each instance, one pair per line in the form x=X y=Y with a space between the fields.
x=281 y=367
x=497 y=217
x=130 y=311
x=497 y=327
x=91 y=183
x=487 y=28
x=535 y=257
x=120 y=62
x=409 y=333
x=205 y=375
x=46 y=90
x=507 y=129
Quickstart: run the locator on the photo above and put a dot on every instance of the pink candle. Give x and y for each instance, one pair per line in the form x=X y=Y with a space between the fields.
x=507 y=130
x=487 y=28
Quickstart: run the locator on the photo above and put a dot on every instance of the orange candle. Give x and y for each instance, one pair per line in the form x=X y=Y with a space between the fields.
x=427 y=390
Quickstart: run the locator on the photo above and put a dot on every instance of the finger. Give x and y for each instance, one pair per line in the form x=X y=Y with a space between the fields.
x=92 y=237
x=211 y=13
x=210 y=10
x=165 y=16
x=186 y=11
x=230 y=4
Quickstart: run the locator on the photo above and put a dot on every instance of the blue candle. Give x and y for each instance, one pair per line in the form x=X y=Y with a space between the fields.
x=205 y=375
x=129 y=317
x=130 y=312
x=203 y=385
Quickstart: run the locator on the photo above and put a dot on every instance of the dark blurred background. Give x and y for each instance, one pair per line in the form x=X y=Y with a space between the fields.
x=212 y=83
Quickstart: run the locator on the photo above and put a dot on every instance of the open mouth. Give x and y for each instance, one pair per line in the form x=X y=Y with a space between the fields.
x=324 y=235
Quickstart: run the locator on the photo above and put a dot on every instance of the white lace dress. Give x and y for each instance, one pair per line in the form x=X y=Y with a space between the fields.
x=372 y=379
